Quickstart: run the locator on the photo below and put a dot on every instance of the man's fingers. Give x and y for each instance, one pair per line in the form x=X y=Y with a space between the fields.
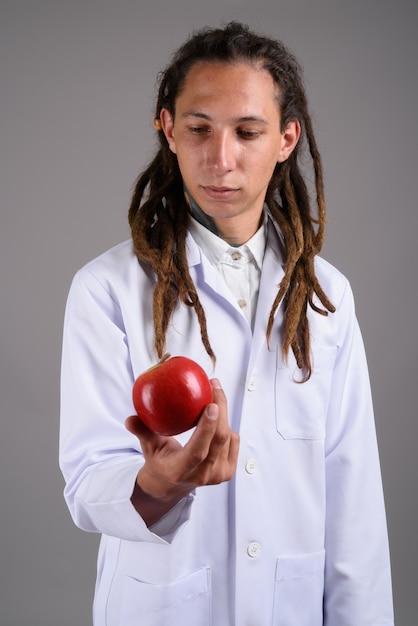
x=136 y=427
x=219 y=398
x=234 y=449
x=146 y=436
x=197 y=448
x=207 y=458
x=213 y=443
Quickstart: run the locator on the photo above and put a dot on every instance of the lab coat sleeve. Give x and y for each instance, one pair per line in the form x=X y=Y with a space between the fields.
x=357 y=574
x=99 y=458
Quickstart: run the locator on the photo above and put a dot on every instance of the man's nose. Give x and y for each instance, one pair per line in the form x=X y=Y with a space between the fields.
x=221 y=153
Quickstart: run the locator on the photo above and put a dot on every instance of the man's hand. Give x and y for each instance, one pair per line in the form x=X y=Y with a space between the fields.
x=172 y=471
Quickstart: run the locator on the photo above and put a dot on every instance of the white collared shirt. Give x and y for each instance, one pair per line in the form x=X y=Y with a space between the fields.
x=240 y=266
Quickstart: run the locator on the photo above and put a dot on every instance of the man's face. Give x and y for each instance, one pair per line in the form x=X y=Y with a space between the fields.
x=226 y=135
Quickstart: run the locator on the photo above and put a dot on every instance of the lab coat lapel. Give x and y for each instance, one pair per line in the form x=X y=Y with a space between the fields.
x=271 y=275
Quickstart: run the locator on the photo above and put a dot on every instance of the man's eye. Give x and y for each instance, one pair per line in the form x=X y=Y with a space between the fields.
x=249 y=134
x=199 y=130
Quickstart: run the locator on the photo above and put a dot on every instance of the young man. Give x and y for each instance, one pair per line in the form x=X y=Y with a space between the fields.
x=270 y=512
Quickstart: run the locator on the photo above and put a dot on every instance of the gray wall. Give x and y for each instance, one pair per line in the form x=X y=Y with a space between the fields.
x=77 y=87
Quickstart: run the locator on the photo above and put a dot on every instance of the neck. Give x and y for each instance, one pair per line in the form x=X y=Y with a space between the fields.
x=199 y=215
x=208 y=222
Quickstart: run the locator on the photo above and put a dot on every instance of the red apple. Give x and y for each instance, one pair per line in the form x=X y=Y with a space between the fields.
x=170 y=396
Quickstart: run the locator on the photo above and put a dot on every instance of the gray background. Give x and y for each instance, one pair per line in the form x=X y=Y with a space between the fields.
x=77 y=87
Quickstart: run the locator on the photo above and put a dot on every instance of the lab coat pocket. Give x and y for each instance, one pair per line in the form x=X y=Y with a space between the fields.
x=301 y=408
x=185 y=601
x=299 y=590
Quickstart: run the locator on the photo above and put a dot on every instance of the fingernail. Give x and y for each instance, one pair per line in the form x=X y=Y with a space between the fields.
x=216 y=383
x=212 y=411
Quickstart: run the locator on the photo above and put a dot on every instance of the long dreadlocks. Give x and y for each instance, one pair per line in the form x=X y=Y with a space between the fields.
x=158 y=213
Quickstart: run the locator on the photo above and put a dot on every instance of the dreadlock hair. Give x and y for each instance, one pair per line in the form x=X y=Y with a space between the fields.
x=158 y=212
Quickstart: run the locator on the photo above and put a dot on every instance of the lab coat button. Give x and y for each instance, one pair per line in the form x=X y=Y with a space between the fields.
x=252 y=383
x=251 y=466
x=253 y=549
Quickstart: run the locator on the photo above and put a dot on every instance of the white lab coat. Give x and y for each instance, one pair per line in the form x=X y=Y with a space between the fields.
x=298 y=537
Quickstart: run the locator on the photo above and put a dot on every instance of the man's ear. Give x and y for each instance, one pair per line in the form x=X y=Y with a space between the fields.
x=290 y=138
x=167 y=125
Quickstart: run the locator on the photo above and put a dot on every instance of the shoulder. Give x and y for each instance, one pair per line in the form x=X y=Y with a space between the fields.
x=116 y=258
x=115 y=270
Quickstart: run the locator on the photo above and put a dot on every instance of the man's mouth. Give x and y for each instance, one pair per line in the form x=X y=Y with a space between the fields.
x=220 y=193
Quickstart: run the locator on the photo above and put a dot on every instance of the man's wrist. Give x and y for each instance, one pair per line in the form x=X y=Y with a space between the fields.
x=150 y=507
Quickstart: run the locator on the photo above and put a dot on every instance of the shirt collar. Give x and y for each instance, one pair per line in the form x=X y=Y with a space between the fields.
x=215 y=248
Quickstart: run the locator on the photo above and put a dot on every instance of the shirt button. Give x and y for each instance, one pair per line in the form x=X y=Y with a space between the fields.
x=242 y=303
x=236 y=256
x=253 y=549
x=252 y=383
x=251 y=466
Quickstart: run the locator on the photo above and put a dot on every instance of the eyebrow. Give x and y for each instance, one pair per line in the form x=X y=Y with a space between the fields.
x=240 y=120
